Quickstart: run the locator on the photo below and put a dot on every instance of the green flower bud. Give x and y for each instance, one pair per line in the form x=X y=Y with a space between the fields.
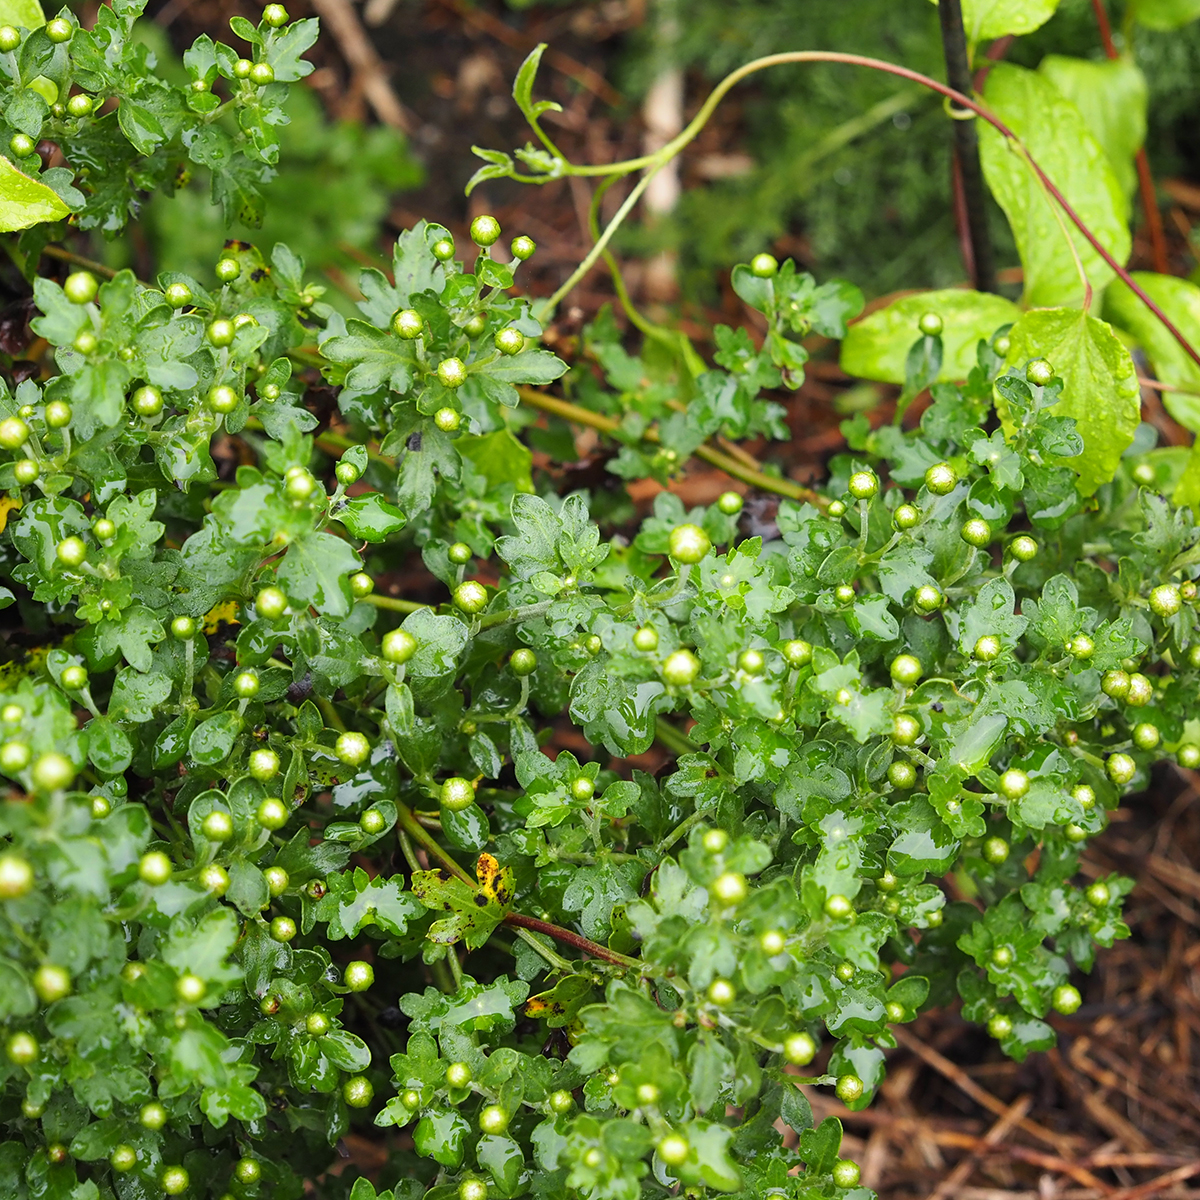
x=941 y=479
x=485 y=231
x=764 y=265
x=863 y=485
x=264 y=765
x=689 y=543
x=457 y=794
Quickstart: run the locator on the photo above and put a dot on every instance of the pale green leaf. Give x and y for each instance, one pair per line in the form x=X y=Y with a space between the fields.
x=1100 y=388
x=500 y=458
x=25 y=202
x=1058 y=138
x=996 y=18
x=314 y=571
x=371 y=517
x=1180 y=301
x=22 y=13
x=202 y=948
x=523 y=87
x=1111 y=97
x=1187 y=490
x=1164 y=14
x=877 y=346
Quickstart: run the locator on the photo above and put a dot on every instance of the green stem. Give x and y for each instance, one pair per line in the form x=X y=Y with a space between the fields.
x=727 y=463
x=673 y=739
x=522 y=700
x=189 y=671
x=652 y=163
x=555 y=960
x=679 y=831
x=507 y=616
x=547 y=307
x=425 y=839
x=390 y=602
x=331 y=715
x=420 y=835
x=408 y=850
x=758 y=479
x=340 y=442
x=455 y=968
x=65 y=255
x=570 y=938
x=674 y=339
x=440 y=971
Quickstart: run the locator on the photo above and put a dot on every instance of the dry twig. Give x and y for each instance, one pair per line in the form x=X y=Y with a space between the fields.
x=363 y=59
x=1013 y=1116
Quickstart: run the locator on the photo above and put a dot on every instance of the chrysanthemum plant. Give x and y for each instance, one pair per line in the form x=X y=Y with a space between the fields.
x=287 y=852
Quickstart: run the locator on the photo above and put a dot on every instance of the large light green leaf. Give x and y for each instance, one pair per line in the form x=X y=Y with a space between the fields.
x=1164 y=14
x=314 y=571
x=1059 y=140
x=25 y=202
x=996 y=18
x=1180 y=301
x=27 y=13
x=1100 y=387
x=1187 y=490
x=1111 y=96
x=500 y=458
x=877 y=346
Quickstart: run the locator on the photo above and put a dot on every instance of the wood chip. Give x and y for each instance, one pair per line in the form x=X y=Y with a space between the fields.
x=1012 y=1117
x=363 y=59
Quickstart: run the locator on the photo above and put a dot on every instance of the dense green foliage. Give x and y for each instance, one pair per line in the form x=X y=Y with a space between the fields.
x=282 y=852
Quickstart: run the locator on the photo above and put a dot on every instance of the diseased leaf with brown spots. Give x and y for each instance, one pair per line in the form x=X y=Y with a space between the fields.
x=559 y=1005
x=495 y=881
x=474 y=912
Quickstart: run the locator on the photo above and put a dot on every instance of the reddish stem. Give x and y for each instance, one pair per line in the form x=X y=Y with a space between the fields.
x=876 y=64
x=1105 y=28
x=567 y=937
x=993 y=54
x=1154 y=225
x=965 y=248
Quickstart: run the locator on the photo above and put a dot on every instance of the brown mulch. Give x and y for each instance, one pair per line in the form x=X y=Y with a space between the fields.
x=1114 y=1110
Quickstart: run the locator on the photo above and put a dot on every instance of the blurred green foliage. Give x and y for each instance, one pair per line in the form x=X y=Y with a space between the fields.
x=330 y=196
x=333 y=190
x=865 y=182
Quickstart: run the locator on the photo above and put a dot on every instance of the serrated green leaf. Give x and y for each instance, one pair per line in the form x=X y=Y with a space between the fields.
x=371 y=517
x=500 y=458
x=25 y=201
x=1179 y=299
x=877 y=346
x=1111 y=97
x=1060 y=142
x=1100 y=387
x=355 y=901
x=314 y=572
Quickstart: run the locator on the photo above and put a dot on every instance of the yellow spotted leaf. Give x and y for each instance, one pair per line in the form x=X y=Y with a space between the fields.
x=7 y=504
x=495 y=881
x=224 y=614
